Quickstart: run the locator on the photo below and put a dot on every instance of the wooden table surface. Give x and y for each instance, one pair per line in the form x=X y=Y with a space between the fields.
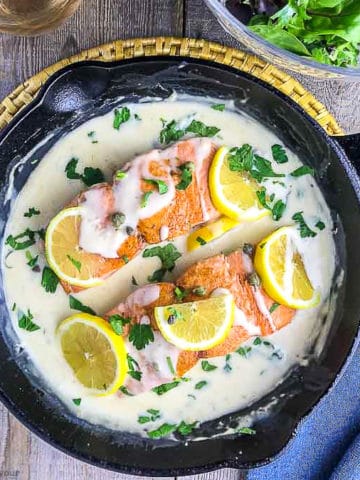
x=22 y=455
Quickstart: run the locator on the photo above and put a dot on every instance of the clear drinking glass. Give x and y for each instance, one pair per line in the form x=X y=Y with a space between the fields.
x=32 y=17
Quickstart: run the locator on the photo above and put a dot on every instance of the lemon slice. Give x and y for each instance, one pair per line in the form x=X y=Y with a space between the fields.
x=96 y=354
x=210 y=232
x=69 y=262
x=197 y=325
x=282 y=270
x=234 y=193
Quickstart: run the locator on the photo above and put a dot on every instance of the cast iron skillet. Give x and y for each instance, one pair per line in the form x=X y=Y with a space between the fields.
x=81 y=91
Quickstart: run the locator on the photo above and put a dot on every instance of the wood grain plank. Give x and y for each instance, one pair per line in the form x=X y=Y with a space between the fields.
x=341 y=97
x=96 y=22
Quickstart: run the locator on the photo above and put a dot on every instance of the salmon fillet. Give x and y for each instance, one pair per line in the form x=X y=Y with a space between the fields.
x=220 y=271
x=187 y=208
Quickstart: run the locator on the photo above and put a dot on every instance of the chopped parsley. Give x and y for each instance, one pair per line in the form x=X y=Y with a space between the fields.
x=303 y=170
x=120 y=175
x=91 y=135
x=137 y=117
x=246 y=431
x=32 y=211
x=200 y=385
x=14 y=307
x=133 y=281
x=49 y=280
x=227 y=367
x=75 y=304
x=164 y=430
x=27 y=237
x=181 y=293
x=167 y=254
x=186 y=175
x=219 y=106
x=278 y=207
x=89 y=177
x=199 y=291
x=76 y=401
x=76 y=263
x=160 y=184
x=201 y=241
x=202 y=130
x=257 y=341
x=279 y=154
x=134 y=369
x=152 y=417
x=244 y=159
x=125 y=258
x=320 y=225
x=145 y=198
x=125 y=391
x=31 y=261
x=304 y=229
x=207 y=367
x=165 y=387
x=170 y=132
x=141 y=335
x=121 y=116
x=273 y=307
x=170 y=365
x=25 y=321
x=244 y=351
x=117 y=323
x=186 y=428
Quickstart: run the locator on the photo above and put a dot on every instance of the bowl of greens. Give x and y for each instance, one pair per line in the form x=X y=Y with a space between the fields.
x=315 y=37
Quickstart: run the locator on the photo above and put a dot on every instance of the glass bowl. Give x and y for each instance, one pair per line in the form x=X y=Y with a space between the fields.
x=273 y=54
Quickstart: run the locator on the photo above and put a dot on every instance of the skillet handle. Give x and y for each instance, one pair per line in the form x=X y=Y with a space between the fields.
x=351 y=145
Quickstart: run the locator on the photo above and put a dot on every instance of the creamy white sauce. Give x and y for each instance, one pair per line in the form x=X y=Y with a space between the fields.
x=250 y=378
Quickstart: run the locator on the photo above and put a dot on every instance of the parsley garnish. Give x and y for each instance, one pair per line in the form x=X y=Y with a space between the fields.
x=181 y=293
x=25 y=322
x=14 y=307
x=257 y=341
x=202 y=130
x=207 y=367
x=186 y=428
x=49 y=280
x=164 y=430
x=125 y=391
x=125 y=258
x=32 y=261
x=117 y=323
x=75 y=304
x=145 y=199
x=76 y=263
x=120 y=116
x=119 y=175
x=167 y=255
x=219 y=106
x=134 y=282
x=186 y=175
x=278 y=207
x=28 y=237
x=201 y=385
x=243 y=351
x=273 y=307
x=165 y=387
x=152 y=417
x=91 y=135
x=320 y=225
x=134 y=368
x=305 y=231
x=141 y=335
x=244 y=159
x=170 y=365
x=137 y=117
x=246 y=431
x=170 y=132
x=201 y=241
x=89 y=177
x=279 y=154
x=303 y=170
x=199 y=291
x=32 y=211
x=227 y=366
x=160 y=184
x=76 y=401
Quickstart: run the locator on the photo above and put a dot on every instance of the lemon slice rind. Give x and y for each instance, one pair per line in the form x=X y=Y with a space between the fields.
x=115 y=341
x=210 y=232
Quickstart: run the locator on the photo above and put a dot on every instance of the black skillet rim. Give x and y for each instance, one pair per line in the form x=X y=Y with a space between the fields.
x=355 y=183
